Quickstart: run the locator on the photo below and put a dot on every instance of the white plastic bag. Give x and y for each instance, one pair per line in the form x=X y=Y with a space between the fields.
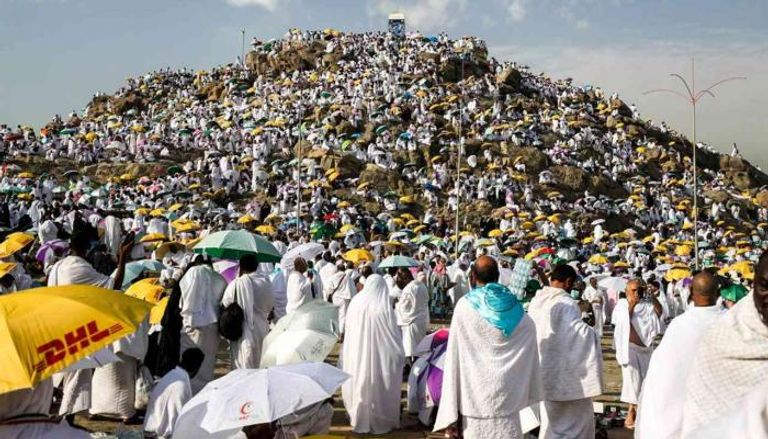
x=144 y=383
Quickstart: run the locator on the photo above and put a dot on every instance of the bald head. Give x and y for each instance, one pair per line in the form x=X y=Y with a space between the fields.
x=486 y=270
x=705 y=289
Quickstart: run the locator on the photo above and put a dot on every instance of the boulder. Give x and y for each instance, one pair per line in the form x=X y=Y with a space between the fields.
x=535 y=161
x=509 y=80
x=571 y=178
x=762 y=198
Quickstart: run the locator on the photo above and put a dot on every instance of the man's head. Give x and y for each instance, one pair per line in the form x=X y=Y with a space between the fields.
x=366 y=271
x=248 y=264
x=705 y=289
x=593 y=282
x=635 y=290
x=300 y=265
x=403 y=277
x=485 y=271
x=82 y=240
x=760 y=295
x=191 y=360
x=563 y=276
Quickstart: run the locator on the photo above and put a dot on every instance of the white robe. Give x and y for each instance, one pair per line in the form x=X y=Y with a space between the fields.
x=165 y=402
x=298 y=291
x=253 y=292
x=340 y=288
x=201 y=292
x=731 y=360
x=660 y=410
x=494 y=394
x=412 y=310
x=571 y=363
x=372 y=355
x=634 y=359
x=748 y=420
x=597 y=299
x=74 y=270
x=112 y=234
x=278 y=292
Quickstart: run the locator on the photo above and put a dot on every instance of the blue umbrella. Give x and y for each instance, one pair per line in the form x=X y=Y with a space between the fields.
x=134 y=269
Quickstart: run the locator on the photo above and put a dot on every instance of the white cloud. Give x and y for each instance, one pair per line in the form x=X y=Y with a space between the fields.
x=269 y=5
x=423 y=15
x=582 y=24
x=517 y=9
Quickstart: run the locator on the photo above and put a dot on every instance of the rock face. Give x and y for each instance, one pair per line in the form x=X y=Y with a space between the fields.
x=741 y=173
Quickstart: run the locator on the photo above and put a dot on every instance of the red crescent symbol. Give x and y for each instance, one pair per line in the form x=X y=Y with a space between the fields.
x=245 y=408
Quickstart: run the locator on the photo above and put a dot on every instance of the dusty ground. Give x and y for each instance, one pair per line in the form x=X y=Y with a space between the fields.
x=411 y=428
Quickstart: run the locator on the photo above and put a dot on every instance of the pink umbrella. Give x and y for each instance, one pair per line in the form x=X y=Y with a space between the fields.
x=436 y=343
x=227 y=268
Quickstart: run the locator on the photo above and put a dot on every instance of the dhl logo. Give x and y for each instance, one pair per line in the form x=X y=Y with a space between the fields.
x=57 y=349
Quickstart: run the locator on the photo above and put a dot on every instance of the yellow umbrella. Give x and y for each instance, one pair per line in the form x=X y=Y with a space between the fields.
x=175 y=207
x=26 y=175
x=163 y=249
x=183 y=226
x=598 y=259
x=407 y=199
x=346 y=228
x=148 y=290
x=683 y=250
x=364 y=185
x=10 y=246
x=418 y=229
x=157 y=311
x=6 y=267
x=245 y=219
x=745 y=268
x=157 y=212
x=266 y=229
x=126 y=177
x=143 y=211
x=398 y=221
x=412 y=223
x=495 y=233
x=677 y=273
x=20 y=238
x=153 y=237
x=407 y=217
x=588 y=240
x=358 y=255
x=343 y=204
x=194 y=186
x=44 y=330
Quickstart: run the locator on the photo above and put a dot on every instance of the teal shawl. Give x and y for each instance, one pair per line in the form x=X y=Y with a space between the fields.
x=497 y=305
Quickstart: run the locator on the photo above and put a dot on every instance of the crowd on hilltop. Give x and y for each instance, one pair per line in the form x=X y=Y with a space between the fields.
x=373 y=146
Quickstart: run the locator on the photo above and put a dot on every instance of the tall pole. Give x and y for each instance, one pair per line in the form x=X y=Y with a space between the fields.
x=458 y=156
x=692 y=96
x=242 y=49
x=298 y=168
x=695 y=173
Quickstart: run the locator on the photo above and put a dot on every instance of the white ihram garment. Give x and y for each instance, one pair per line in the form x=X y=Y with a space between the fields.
x=373 y=355
x=571 y=364
x=201 y=292
x=660 y=409
x=340 y=288
x=253 y=292
x=298 y=291
x=488 y=398
x=731 y=360
x=632 y=358
x=165 y=402
x=412 y=310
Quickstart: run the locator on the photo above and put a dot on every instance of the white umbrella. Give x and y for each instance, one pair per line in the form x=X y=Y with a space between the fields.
x=257 y=396
x=613 y=283
x=97 y=359
x=307 y=334
x=598 y=221
x=308 y=251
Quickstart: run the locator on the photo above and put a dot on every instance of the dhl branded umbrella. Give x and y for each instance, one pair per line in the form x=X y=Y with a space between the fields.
x=13 y=243
x=245 y=219
x=44 y=330
x=598 y=259
x=6 y=267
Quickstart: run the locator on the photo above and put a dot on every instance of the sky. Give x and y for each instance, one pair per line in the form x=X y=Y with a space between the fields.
x=55 y=54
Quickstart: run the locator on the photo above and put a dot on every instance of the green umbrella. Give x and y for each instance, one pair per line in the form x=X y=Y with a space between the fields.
x=232 y=244
x=398 y=261
x=733 y=293
x=175 y=169
x=134 y=269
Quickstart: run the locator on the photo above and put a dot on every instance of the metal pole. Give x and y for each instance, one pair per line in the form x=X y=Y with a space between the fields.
x=695 y=176
x=458 y=157
x=298 y=172
x=242 y=50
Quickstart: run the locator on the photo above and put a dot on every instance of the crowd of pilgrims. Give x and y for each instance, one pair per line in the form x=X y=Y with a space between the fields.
x=515 y=340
